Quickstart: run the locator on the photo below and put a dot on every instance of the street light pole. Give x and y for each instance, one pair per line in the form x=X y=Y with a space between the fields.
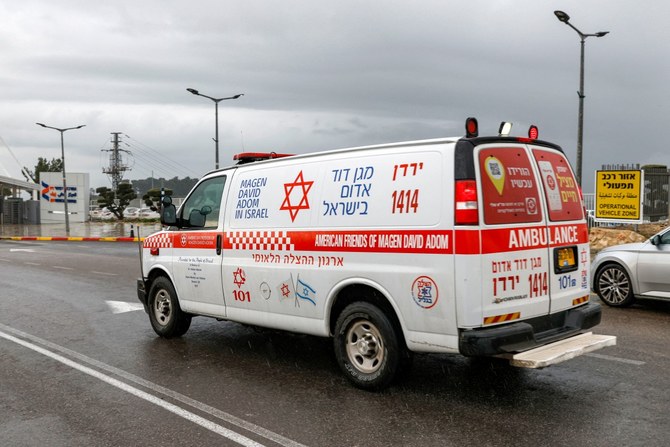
x=216 y=118
x=62 y=151
x=563 y=17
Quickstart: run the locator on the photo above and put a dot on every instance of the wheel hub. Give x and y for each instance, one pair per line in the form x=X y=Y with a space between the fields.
x=367 y=345
x=162 y=308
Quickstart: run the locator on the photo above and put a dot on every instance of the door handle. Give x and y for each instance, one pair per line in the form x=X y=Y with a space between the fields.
x=218 y=244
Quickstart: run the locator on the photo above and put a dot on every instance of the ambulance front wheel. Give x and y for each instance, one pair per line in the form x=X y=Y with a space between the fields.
x=165 y=315
x=367 y=346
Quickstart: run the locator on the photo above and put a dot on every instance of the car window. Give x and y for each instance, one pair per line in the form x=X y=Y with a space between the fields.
x=665 y=238
x=202 y=208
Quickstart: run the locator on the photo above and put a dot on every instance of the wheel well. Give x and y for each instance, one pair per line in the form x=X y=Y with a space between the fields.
x=153 y=275
x=358 y=293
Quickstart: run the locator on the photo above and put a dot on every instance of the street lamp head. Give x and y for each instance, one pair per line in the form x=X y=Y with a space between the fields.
x=563 y=17
x=602 y=33
x=237 y=96
x=192 y=90
x=59 y=129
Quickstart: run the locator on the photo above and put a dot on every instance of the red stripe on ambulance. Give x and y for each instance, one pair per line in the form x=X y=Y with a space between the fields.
x=374 y=241
x=503 y=240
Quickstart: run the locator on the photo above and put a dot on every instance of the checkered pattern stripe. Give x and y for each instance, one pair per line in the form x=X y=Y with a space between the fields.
x=260 y=240
x=162 y=240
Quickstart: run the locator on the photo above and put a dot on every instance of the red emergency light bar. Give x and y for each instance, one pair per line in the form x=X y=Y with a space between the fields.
x=472 y=130
x=249 y=157
x=471 y=127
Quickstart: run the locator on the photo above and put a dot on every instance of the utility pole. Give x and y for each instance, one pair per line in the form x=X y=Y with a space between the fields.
x=116 y=166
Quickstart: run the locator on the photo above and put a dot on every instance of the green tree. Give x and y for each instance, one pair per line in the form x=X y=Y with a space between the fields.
x=44 y=165
x=152 y=198
x=116 y=201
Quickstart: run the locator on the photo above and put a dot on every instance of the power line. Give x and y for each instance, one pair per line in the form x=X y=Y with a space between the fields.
x=160 y=158
x=13 y=156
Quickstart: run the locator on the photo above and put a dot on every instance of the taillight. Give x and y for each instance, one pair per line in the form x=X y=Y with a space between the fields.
x=467 y=208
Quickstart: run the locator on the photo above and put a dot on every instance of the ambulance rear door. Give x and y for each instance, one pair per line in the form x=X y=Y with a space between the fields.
x=514 y=245
x=567 y=232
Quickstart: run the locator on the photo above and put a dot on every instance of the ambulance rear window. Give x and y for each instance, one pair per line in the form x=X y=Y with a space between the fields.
x=509 y=187
x=560 y=188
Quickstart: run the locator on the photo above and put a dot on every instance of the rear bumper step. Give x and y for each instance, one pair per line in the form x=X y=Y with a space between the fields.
x=560 y=351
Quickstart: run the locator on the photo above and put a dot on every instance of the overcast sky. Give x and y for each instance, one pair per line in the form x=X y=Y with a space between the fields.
x=322 y=75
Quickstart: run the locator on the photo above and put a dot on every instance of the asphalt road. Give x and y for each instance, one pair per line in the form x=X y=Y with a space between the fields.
x=81 y=366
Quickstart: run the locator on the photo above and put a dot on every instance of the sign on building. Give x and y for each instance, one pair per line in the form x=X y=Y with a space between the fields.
x=52 y=197
x=619 y=196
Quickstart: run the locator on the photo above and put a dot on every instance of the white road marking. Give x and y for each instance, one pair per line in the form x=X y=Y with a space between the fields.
x=61 y=267
x=32 y=263
x=214 y=412
x=119 y=307
x=28 y=250
x=616 y=359
x=105 y=273
x=209 y=425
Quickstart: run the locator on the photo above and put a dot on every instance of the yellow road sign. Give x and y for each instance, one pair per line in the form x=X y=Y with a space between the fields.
x=619 y=196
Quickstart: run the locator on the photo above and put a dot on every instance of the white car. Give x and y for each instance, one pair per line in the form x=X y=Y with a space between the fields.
x=131 y=211
x=622 y=273
x=147 y=213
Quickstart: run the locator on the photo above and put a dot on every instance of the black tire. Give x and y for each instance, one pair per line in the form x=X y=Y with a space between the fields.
x=613 y=286
x=368 y=348
x=165 y=315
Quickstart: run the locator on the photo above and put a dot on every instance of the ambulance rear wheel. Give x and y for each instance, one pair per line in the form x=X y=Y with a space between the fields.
x=165 y=315
x=367 y=346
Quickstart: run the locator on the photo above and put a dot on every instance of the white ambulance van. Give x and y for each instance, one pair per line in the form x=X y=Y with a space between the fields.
x=471 y=245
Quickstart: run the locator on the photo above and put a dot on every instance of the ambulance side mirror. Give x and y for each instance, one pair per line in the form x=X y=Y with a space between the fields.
x=168 y=211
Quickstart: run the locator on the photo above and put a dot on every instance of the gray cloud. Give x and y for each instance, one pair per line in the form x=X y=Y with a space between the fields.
x=319 y=76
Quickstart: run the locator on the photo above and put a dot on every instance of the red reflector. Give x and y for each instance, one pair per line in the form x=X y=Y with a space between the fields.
x=533 y=133
x=471 y=127
x=153 y=251
x=466 y=207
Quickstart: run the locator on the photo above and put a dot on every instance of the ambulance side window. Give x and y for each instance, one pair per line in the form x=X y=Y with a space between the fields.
x=201 y=209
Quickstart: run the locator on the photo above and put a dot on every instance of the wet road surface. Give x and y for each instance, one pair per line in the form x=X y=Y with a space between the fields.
x=78 y=368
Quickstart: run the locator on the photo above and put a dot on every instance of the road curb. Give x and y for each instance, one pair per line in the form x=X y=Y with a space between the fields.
x=71 y=239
